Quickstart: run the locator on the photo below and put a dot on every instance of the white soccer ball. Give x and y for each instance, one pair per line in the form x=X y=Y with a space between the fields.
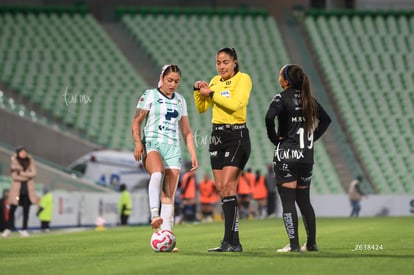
x=163 y=241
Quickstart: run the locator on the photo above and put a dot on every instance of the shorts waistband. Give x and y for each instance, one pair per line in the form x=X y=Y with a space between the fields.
x=232 y=127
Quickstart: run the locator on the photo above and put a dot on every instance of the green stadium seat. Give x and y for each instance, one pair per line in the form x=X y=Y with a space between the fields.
x=362 y=73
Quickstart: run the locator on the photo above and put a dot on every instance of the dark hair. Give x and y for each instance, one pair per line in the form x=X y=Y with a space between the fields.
x=166 y=69
x=170 y=68
x=299 y=80
x=20 y=148
x=122 y=187
x=233 y=54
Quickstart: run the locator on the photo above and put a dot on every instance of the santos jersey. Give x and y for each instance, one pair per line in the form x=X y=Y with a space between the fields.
x=293 y=143
x=164 y=114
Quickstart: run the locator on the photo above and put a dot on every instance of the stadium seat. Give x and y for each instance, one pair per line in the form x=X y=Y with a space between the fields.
x=370 y=80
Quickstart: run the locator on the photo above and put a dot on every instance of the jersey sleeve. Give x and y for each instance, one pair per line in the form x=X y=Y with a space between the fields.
x=324 y=121
x=275 y=108
x=185 y=110
x=202 y=103
x=145 y=101
x=241 y=98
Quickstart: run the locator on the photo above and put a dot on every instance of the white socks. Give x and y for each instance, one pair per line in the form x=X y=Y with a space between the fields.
x=154 y=190
x=167 y=215
x=167 y=210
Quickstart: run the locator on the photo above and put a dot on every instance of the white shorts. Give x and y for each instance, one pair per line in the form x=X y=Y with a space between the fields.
x=170 y=154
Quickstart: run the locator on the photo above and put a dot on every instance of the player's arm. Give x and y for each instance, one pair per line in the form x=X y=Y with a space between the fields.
x=274 y=109
x=202 y=102
x=324 y=121
x=189 y=140
x=238 y=101
x=139 y=117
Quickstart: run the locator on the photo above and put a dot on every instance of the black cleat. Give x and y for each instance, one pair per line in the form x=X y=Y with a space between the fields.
x=309 y=247
x=237 y=248
x=226 y=247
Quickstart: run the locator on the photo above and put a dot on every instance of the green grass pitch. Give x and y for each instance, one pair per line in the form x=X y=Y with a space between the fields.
x=379 y=245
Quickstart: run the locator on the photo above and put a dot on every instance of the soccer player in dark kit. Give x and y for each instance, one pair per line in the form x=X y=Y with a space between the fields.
x=301 y=122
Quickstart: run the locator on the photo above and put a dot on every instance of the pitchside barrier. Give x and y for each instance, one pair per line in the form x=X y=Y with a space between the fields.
x=75 y=209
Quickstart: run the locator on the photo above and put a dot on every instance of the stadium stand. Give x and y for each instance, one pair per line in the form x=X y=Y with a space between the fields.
x=67 y=65
x=75 y=73
x=371 y=80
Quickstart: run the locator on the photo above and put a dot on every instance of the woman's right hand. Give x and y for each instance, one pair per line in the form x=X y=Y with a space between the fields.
x=200 y=84
x=139 y=151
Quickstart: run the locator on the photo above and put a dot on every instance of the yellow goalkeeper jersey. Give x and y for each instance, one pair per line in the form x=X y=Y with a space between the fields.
x=229 y=101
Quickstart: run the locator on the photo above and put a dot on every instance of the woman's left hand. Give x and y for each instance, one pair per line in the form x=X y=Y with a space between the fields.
x=204 y=89
x=194 y=163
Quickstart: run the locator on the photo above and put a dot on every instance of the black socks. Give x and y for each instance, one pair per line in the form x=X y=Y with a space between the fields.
x=308 y=215
x=231 y=220
x=290 y=216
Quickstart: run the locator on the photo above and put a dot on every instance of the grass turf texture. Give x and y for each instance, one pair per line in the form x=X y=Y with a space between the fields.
x=127 y=250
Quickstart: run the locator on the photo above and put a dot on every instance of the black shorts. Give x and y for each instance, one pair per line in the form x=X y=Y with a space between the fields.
x=229 y=146
x=293 y=171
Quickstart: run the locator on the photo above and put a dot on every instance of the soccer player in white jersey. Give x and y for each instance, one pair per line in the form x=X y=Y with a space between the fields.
x=162 y=114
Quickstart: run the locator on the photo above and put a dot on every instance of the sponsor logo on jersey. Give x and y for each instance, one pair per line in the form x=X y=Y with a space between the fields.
x=225 y=93
x=226 y=154
x=289 y=154
x=213 y=154
x=298 y=119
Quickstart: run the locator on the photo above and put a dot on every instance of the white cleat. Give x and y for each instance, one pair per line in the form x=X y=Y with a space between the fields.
x=287 y=249
x=24 y=233
x=6 y=233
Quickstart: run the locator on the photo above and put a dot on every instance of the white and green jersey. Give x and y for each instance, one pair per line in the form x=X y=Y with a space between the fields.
x=163 y=117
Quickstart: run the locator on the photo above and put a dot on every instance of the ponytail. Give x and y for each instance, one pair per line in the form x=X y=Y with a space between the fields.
x=309 y=105
x=298 y=80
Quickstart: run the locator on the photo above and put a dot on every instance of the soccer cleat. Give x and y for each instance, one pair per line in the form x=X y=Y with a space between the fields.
x=226 y=247
x=156 y=222
x=6 y=233
x=24 y=233
x=312 y=247
x=287 y=248
x=237 y=248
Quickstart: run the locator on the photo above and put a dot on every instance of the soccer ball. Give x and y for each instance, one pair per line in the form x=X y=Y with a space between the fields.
x=163 y=241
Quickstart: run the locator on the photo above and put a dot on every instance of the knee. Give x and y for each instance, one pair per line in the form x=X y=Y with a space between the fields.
x=156 y=177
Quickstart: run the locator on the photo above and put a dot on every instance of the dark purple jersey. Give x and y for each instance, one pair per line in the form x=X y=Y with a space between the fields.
x=292 y=141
